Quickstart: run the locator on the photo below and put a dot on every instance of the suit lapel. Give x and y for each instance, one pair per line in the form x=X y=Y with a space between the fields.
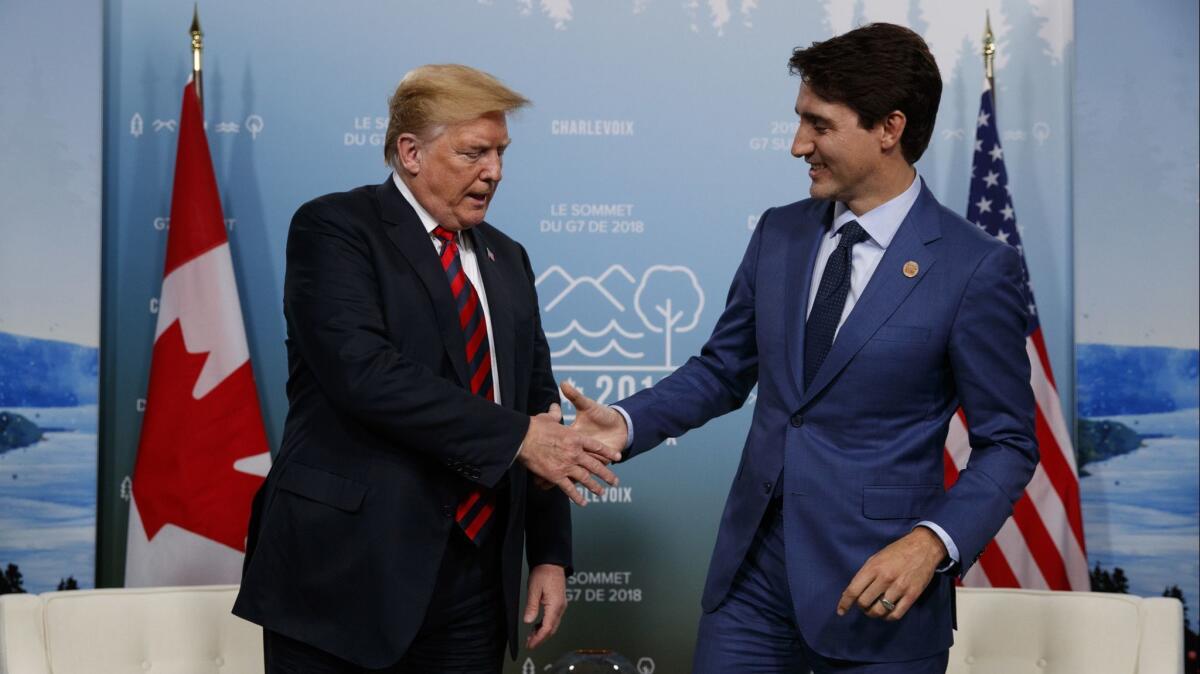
x=405 y=230
x=885 y=291
x=500 y=311
x=800 y=257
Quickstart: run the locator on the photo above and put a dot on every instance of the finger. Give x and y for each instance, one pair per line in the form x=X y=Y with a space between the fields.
x=553 y=610
x=869 y=602
x=584 y=478
x=594 y=446
x=904 y=603
x=532 y=603
x=539 y=634
x=600 y=470
x=572 y=493
x=581 y=402
x=852 y=592
x=555 y=412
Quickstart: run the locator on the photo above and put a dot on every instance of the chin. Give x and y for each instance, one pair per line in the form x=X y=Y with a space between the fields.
x=471 y=221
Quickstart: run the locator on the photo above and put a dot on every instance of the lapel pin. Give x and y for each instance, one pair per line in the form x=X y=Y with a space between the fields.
x=911 y=268
x=491 y=256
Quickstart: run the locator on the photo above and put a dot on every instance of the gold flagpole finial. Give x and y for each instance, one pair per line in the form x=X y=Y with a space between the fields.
x=989 y=53
x=197 y=51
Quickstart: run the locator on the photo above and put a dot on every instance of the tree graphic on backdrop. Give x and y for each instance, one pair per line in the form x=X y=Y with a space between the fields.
x=664 y=299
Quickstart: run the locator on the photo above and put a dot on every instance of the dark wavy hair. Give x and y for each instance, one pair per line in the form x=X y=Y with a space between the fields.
x=874 y=70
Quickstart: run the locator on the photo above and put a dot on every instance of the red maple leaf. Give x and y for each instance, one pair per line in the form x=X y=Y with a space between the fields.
x=184 y=473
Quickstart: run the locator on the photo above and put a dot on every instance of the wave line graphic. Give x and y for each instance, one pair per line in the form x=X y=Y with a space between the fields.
x=612 y=325
x=611 y=346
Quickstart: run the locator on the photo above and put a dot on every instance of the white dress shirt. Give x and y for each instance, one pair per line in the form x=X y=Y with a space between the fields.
x=880 y=223
x=470 y=266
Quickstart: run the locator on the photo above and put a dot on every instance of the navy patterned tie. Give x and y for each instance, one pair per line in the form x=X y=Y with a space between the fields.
x=475 y=511
x=830 y=302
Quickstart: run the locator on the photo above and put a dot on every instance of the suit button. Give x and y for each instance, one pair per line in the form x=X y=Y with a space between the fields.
x=767 y=487
x=797 y=420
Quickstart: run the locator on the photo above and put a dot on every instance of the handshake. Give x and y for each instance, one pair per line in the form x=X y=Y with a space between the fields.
x=563 y=456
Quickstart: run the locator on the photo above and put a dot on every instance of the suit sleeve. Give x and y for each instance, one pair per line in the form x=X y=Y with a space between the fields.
x=713 y=383
x=991 y=374
x=334 y=313
x=547 y=511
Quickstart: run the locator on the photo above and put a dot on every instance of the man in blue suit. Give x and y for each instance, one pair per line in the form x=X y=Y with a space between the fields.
x=867 y=315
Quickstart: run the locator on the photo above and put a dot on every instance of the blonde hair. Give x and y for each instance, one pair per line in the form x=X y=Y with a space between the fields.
x=433 y=96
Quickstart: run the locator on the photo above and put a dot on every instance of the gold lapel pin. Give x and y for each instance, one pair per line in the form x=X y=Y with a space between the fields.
x=911 y=268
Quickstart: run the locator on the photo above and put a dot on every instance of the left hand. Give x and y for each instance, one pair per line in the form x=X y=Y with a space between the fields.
x=547 y=591
x=900 y=572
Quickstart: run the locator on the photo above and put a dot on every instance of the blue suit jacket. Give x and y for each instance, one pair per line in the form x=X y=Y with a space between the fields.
x=860 y=450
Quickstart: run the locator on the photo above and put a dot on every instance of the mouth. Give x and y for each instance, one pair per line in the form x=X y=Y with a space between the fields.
x=478 y=199
x=815 y=170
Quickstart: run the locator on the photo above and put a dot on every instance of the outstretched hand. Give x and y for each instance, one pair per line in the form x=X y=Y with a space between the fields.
x=597 y=421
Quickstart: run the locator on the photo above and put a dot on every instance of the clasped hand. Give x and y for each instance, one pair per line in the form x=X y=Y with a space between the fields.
x=563 y=457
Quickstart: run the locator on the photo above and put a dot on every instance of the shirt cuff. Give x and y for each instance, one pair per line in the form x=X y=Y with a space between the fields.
x=628 y=427
x=951 y=548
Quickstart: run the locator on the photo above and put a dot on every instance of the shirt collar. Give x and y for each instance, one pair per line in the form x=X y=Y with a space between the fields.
x=881 y=222
x=426 y=218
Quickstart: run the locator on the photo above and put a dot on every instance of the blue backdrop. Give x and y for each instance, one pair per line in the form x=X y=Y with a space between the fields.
x=660 y=132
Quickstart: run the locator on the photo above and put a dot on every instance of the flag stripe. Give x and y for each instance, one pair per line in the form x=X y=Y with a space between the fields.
x=1011 y=543
x=1039 y=343
x=1041 y=544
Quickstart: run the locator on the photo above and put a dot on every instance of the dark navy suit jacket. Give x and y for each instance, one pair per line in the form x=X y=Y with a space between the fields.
x=860 y=450
x=383 y=438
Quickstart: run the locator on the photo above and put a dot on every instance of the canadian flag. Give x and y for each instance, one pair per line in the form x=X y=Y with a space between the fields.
x=203 y=449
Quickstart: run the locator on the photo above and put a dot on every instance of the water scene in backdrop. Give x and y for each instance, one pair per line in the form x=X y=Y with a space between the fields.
x=1139 y=449
x=48 y=460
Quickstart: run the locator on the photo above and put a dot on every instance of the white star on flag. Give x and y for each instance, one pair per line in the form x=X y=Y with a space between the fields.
x=997 y=153
x=1002 y=235
x=984 y=205
x=983 y=119
x=1007 y=212
x=991 y=178
x=978 y=146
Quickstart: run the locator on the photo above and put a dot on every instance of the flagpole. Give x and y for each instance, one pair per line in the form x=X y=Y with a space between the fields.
x=989 y=55
x=197 y=51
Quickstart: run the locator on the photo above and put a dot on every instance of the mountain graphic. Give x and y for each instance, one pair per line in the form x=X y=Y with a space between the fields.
x=589 y=317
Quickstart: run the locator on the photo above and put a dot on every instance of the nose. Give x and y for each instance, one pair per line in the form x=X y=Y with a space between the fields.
x=802 y=144
x=493 y=167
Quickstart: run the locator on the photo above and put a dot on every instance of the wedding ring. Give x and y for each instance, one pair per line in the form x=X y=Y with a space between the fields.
x=888 y=605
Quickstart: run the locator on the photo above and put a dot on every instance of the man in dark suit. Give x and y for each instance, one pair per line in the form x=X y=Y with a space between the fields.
x=389 y=532
x=867 y=315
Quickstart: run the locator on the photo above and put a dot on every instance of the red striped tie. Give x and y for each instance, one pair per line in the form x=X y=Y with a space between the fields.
x=475 y=511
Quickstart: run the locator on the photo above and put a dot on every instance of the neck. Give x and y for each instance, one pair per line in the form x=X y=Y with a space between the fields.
x=889 y=184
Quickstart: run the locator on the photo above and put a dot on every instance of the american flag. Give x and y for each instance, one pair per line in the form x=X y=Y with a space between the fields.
x=1041 y=546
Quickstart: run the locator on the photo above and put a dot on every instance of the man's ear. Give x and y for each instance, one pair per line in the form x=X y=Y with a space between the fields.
x=892 y=129
x=408 y=153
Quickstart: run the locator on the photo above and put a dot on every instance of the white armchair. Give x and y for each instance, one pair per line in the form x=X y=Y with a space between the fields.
x=171 y=630
x=1004 y=631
